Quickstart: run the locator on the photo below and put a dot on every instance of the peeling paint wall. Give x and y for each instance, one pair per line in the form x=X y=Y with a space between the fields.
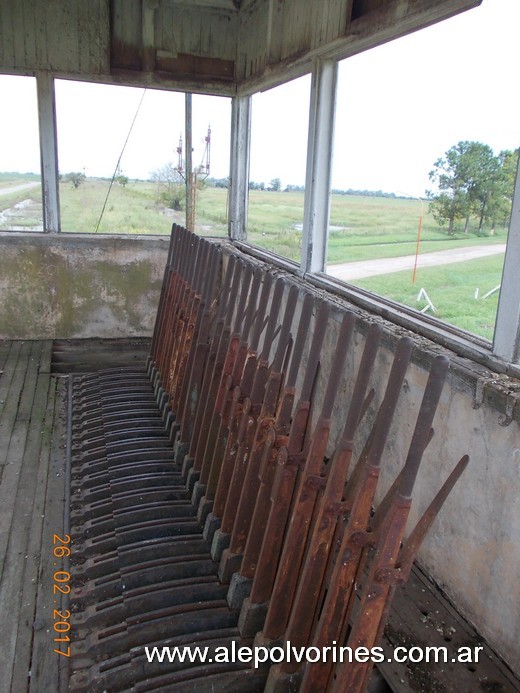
x=77 y=285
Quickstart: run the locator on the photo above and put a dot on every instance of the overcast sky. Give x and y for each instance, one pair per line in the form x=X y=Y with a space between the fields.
x=400 y=107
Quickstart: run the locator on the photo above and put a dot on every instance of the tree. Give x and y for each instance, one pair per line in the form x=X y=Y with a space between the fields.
x=76 y=178
x=171 y=188
x=468 y=181
x=122 y=180
x=275 y=185
x=499 y=206
x=485 y=180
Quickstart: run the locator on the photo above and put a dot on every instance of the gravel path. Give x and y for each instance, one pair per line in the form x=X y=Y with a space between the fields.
x=348 y=271
x=17 y=188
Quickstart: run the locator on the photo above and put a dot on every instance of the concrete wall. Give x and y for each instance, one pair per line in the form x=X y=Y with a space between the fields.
x=79 y=285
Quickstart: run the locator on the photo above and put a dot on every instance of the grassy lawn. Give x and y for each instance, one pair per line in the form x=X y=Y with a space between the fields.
x=7 y=179
x=13 y=215
x=11 y=180
x=451 y=289
x=361 y=227
x=374 y=228
x=131 y=209
x=9 y=199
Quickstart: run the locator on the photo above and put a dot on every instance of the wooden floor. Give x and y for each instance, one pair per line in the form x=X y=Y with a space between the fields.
x=33 y=453
x=32 y=491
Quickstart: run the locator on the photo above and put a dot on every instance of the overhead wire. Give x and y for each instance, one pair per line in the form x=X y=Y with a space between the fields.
x=119 y=160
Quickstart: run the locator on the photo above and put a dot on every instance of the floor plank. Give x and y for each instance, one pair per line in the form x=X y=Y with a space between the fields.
x=27 y=406
x=18 y=494
x=36 y=548
x=422 y=617
x=5 y=348
x=46 y=665
x=14 y=428
x=10 y=373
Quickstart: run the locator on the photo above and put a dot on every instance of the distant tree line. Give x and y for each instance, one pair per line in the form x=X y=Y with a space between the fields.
x=472 y=183
x=276 y=185
x=217 y=182
x=368 y=193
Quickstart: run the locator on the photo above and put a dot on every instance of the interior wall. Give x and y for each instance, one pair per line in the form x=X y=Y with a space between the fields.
x=65 y=286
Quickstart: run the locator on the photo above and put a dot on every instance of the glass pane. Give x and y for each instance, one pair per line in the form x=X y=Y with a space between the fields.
x=413 y=126
x=278 y=159
x=20 y=189
x=122 y=159
x=122 y=132
x=211 y=118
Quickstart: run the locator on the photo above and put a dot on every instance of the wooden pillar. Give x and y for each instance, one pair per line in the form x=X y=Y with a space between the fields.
x=506 y=343
x=239 y=167
x=319 y=166
x=48 y=152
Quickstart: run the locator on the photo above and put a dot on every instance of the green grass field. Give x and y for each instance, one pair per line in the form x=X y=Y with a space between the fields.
x=451 y=289
x=360 y=228
x=131 y=209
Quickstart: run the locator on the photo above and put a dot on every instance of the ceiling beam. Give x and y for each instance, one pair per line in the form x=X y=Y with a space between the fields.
x=393 y=19
x=148 y=34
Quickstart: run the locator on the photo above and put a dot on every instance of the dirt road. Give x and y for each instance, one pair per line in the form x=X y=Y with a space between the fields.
x=18 y=188
x=348 y=271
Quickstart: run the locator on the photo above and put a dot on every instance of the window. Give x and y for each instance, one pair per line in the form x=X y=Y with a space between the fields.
x=20 y=188
x=211 y=117
x=122 y=159
x=430 y=97
x=277 y=175
x=128 y=133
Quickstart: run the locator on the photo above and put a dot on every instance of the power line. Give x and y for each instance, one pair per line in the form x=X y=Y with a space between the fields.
x=119 y=160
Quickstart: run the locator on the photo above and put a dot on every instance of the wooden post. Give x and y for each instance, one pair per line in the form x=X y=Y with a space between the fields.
x=239 y=168
x=48 y=152
x=319 y=166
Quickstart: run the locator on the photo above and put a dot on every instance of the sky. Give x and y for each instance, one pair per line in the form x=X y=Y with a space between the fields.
x=399 y=107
